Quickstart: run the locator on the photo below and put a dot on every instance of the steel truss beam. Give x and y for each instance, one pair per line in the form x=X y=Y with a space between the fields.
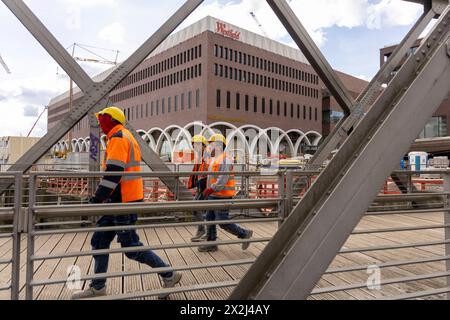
x=315 y=57
x=308 y=241
x=367 y=97
x=95 y=94
x=432 y=8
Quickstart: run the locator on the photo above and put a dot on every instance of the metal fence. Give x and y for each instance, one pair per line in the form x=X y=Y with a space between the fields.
x=264 y=197
x=10 y=235
x=413 y=260
x=152 y=216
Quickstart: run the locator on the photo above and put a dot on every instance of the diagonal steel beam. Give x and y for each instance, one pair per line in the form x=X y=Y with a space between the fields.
x=315 y=57
x=309 y=239
x=49 y=42
x=96 y=93
x=368 y=96
x=312 y=253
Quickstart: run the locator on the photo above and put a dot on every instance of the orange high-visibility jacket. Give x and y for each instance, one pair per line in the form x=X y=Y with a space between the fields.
x=194 y=179
x=224 y=186
x=123 y=155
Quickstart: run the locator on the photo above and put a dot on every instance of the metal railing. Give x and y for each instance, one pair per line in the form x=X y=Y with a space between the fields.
x=10 y=235
x=267 y=197
x=150 y=218
x=422 y=268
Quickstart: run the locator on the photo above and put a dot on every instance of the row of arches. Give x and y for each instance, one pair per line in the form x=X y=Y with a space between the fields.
x=248 y=139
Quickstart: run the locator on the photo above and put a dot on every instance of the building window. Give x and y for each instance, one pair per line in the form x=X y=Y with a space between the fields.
x=315 y=114
x=152 y=109
x=197 y=98
x=247 y=107
x=228 y=100
x=182 y=101
x=310 y=113
x=218 y=98
x=278 y=108
x=190 y=100
x=176 y=104
x=304 y=112
x=238 y=101
x=298 y=111
x=263 y=105
x=435 y=128
x=285 y=109
x=169 y=105
x=163 y=106
x=271 y=107
x=255 y=104
x=292 y=110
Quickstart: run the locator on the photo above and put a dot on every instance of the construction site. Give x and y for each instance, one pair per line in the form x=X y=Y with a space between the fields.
x=333 y=198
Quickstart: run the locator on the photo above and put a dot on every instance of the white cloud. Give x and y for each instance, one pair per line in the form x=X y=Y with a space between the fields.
x=91 y=3
x=316 y=15
x=391 y=13
x=113 y=33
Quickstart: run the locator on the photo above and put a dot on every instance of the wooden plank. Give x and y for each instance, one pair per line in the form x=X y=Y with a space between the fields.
x=215 y=274
x=47 y=268
x=134 y=283
x=52 y=292
x=152 y=281
x=202 y=276
x=84 y=263
x=176 y=258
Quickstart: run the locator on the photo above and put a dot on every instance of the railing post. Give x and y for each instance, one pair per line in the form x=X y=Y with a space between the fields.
x=282 y=196
x=30 y=239
x=447 y=222
x=289 y=193
x=16 y=237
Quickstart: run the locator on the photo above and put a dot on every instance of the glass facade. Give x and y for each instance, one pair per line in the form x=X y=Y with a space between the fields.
x=435 y=128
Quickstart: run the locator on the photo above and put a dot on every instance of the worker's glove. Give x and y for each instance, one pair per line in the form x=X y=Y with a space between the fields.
x=207 y=193
x=95 y=200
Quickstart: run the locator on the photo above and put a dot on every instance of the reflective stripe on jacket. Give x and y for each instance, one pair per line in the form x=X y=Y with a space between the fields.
x=122 y=155
x=224 y=186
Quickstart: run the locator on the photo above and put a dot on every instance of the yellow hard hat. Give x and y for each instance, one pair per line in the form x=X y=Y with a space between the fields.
x=115 y=113
x=199 y=139
x=218 y=138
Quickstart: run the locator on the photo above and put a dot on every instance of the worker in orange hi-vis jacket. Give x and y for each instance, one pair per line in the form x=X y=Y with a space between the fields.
x=199 y=182
x=122 y=155
x=221 y=187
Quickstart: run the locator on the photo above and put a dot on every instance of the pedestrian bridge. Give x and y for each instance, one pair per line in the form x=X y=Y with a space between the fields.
x=327 y=232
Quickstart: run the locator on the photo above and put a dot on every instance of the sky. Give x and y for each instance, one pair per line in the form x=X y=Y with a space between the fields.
x=349 y=33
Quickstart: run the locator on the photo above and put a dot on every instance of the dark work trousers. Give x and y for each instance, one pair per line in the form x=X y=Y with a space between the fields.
x=127 y=239
x=198 y=216
x=223 y=214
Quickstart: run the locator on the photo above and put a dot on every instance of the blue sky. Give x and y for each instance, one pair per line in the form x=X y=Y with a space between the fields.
x=349 y=32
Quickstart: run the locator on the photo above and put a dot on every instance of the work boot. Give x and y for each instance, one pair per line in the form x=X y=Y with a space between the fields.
x=170 y=283
x=199 y=237
x=248 y=236
x=208 y=248
x=89 y=293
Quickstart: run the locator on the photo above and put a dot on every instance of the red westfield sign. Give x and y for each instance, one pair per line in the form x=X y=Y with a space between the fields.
x=223 y=29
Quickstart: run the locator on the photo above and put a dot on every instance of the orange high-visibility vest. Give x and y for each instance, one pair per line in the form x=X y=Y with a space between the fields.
x=123 y=151
x=230 y=188
x=203 y=167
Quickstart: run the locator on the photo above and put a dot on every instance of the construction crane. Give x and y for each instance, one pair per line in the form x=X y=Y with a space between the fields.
x=259 y=24
x=35 y=124
x=2 y=62
x=98 y=59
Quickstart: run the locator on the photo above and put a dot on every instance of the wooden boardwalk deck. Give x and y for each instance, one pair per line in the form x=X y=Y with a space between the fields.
x=55 y=269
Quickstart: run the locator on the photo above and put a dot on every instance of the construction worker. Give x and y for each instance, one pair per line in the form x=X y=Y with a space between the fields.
x=221 y=187
x=122 y=155
x=199 y=144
